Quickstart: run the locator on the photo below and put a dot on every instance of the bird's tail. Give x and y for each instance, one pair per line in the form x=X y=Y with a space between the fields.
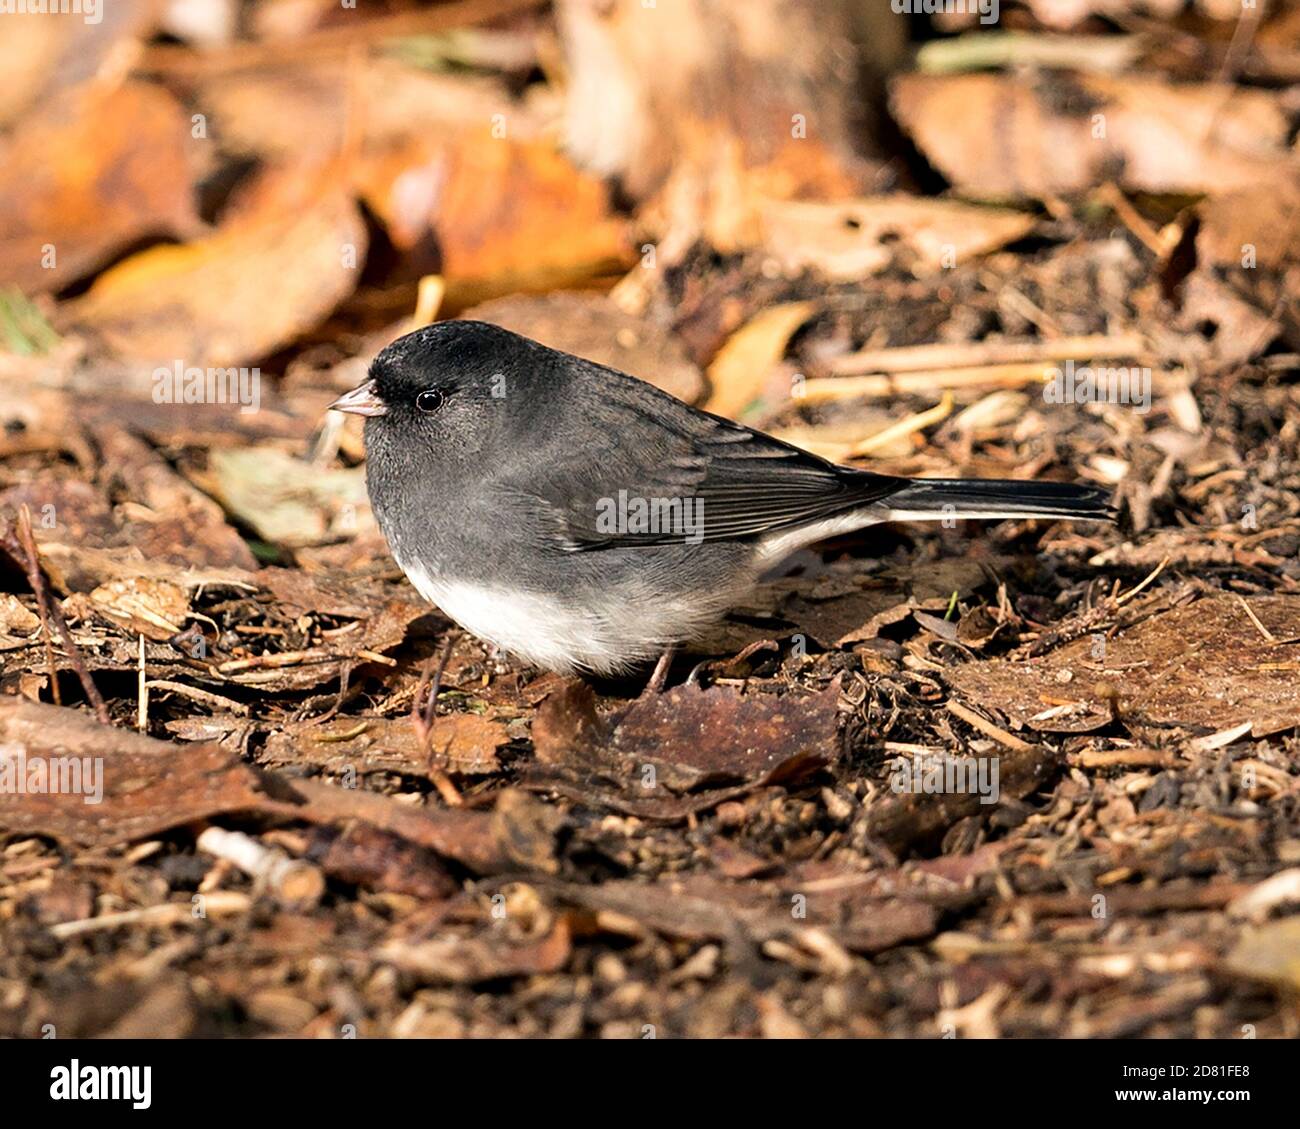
x=934 y=499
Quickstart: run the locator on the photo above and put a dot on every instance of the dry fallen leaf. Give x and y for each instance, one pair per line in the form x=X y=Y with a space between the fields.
x=462 y=743
x=89 y=174
x=1270 y=953
x=739 y=373
x=504 y=215
x=255 y=284
x=41 y=58
x=1007 y=136
x=453 y=959
x=286 y=500
x=155 y=609
x=113 y=786
x=850 y=239
x=15 y=619
x=301 y=108
x=1205 y=664
x=687 y=739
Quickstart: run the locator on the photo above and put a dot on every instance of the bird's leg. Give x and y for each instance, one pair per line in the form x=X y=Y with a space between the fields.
x=693 y=679
x=659 y=678
x=423 y=719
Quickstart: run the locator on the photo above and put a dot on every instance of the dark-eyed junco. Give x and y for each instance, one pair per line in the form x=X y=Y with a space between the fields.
x=581 y=519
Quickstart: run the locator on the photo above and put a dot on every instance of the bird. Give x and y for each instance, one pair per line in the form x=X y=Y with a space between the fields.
x=586 y=522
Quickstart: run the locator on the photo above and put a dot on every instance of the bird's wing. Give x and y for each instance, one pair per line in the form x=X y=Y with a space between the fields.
x=664 y=473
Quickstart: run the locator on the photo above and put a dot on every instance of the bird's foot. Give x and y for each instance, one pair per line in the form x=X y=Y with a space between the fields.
x=725 y=666
x=659 y=677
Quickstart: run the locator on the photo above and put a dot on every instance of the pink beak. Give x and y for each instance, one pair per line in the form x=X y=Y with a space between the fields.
x=361 y=401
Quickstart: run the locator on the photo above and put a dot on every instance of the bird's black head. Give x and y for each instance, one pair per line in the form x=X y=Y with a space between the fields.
x=454 y=385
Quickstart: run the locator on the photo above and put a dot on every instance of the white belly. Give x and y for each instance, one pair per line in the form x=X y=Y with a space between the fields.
x=545 y=632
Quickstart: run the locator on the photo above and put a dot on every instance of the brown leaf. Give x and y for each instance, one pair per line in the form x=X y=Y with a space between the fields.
x=506 y=215
x=739 y=373
x=519 y=835
x=915 y=818
x=462 y=743
x=43 y=57
x=1010 y=136
x=1204 y=664
x=156 y=609
x=375 y=860
x=89 y=174
x=454 y=959
x=180 y=524
x=127 y=786
x=688 y=739
x=301 y=108
x=851 y=239
x=697 y=908
x=255 y=284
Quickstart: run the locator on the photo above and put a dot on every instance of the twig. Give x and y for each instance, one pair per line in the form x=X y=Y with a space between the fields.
x=1001 y=736
x=1110 y=194
x=294 y=882
x=220 y=903
x=1125 y=597
x=903 y=427
x=916 y=358
x=423 y=721
x=206 y=697
x=275 y=661
x=142 y=695
x=21 y=545
x=1269 y=637
x=884 y=386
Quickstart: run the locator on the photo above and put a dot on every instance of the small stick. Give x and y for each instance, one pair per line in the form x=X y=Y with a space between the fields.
x=283 y=659
x=1123 y=599
x=659 y=676
x=47 y=637
x=881 y=386
x=220 y=903
x=1001 y=736
x=142 y=696
x=328 y=42
x=428 y=300
x=291 y=881
x=423 y=718
x=903 y=427
x=423 y=721
x=206 y=697
x=1133 y=220
x=914 y=358
x=22 y=547
x=1269 y=637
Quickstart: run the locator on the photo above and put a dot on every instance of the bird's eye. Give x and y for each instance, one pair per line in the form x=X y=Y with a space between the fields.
x=430 y=400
